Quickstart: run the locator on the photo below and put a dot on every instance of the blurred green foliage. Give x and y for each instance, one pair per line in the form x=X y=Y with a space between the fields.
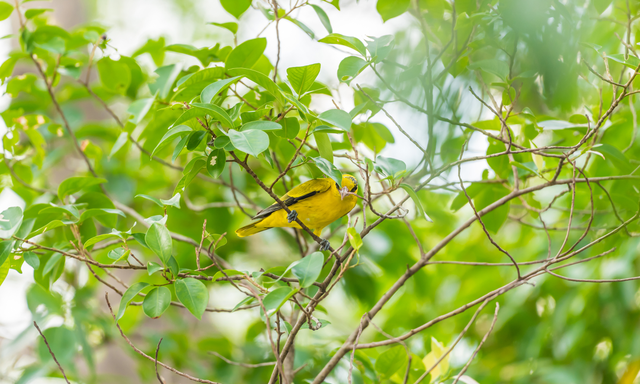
x=132 y=171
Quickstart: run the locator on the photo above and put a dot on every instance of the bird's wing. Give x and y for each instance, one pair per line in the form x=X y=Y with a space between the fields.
x=301 y=192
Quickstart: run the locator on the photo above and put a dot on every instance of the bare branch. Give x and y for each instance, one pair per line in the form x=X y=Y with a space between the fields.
x=486 y=335
x=154 y=360
x=51 y=352
x=245 y=365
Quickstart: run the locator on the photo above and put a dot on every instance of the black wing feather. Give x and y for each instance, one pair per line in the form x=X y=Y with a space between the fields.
x=289 y=201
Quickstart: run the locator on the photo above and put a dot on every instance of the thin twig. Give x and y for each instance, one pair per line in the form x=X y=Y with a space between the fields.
x=185 y=375
x=51 y=352
x=473 y=356
x=156 y=362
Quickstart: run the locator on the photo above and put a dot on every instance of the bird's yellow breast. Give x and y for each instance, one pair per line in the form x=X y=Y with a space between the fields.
x=316 y=212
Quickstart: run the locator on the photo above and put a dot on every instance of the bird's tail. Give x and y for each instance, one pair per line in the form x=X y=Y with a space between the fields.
x=249 y=230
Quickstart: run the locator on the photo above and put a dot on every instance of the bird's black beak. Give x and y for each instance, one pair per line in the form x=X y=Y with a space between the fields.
x=344 y=191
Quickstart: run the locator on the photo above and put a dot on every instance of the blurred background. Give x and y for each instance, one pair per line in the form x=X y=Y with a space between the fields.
x=553 y=332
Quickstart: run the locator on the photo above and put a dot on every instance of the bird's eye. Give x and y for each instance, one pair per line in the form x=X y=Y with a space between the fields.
x=355 y=188
x=337 y=186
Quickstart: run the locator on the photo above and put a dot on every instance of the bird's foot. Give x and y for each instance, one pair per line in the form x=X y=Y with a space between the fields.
x=325 y=245
x=292 y=216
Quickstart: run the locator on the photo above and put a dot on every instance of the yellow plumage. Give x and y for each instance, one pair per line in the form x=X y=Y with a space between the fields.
x=317 y=202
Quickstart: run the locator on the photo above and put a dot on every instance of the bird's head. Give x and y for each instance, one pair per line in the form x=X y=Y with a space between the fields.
x=349 y=184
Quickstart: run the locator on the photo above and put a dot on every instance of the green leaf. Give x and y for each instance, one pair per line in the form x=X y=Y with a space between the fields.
x=337 y=117
x=139 y=109
x=253 y=142
x=261 y=125
x=247 y=54
x=383 y=132
x=354 y=239
x=33 y=12
x=166 y=77
x=51 y=263
x=93 y=212
x=178 y=149
x=416 y=201
x=380 y=47
x=120 y=142
x=632 y=62
x=308 y=269
x=245 y=301
x=32 y=259
x=302 y=78
x=276 y=298
x=153 y=268
x=235 y=7
x=324 y=19
x=391 y=360
x=194 y=295
x=324 y=145
x=290 y=128
x=601 y=5
x=173 y=266
x=115 y=75
x=195 y=138
x=326 y=129
x=177 y=131
x=151 y=198
x=117 y=253
x=328 y=169
x=75 y=184
x=260 y=79
x=302 y=26
x=39 y=144
x=391 y=167
x=190 y=172
x=211 y=90
x=156 y=302
x=4 y=269
x=128 y=297
x=10 y=219
x=5 y=250
x=214 y=111
x=615 y=156
x=99 y=238
x=350 y=67
x=524 y=167
x=215 y=167
x=493 y=66
x=231 y=27
x=5 y=10
x=158 y=239
x=347 y=41
x=389 y=9
x=204 y=55
x=122 y=254
x=489 y=194
x=172 y=202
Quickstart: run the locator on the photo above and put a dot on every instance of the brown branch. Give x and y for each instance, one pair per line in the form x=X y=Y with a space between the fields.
x=464 y=331
x=51 y=352
x=245 y=365
x=155 y=360
x=484 y=228
x=486 y=335
x=594 y=280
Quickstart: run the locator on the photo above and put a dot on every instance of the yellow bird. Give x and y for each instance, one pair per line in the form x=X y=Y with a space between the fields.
x=317 y=203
